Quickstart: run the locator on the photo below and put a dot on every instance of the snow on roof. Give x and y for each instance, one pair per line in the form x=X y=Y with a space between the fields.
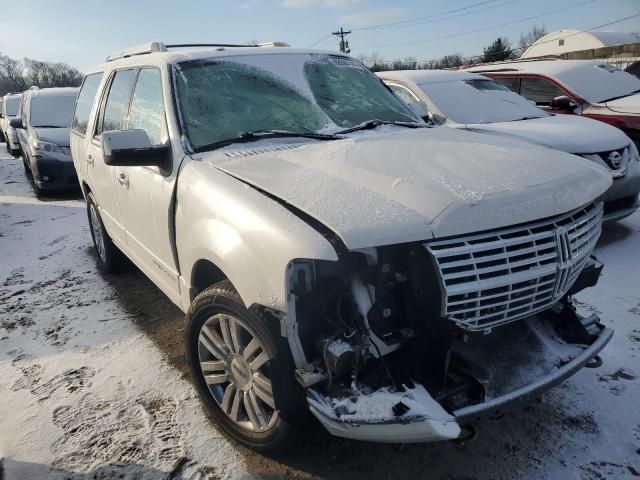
x=53 y=91
x=420 y=77
x=593 y=80
x=610 y=37
x=172 y=56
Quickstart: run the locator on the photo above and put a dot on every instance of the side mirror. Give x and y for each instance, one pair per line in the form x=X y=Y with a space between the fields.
x=563 y=103
x=419 y=109
x=132 y=148
x=1 y=115
x=16 y=122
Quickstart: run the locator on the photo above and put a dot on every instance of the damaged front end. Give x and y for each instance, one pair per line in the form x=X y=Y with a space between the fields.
x=407 y=343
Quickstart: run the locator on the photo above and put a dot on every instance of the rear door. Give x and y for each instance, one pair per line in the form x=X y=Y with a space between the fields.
x=102 y=177
x=145 y=193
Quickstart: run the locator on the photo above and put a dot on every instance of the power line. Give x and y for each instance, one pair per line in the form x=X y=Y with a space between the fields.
x=548 y=41
x=382 y=25
x=531 y=17
x=415 y=22
x=322 y=40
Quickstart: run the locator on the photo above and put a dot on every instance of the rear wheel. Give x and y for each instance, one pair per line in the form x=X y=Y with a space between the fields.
x=110 y=258
x=242 y=369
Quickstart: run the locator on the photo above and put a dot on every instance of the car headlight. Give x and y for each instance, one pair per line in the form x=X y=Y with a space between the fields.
x=38 y=146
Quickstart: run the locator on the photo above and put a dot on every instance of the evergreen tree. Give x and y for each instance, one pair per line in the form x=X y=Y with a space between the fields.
x=498 y=50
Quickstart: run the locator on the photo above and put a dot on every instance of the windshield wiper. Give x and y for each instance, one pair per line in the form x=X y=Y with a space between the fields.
x=260 y=134
x=369 y=124
x=47 y=126
x=619 y=96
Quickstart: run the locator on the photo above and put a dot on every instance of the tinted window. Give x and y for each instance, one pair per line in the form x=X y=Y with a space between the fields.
x=147 y=106
x=510 y=83
x=51 y=111
x=539 y=90
x=486 y=85
x=85 y=100
x=11 y=104
x=117 y=102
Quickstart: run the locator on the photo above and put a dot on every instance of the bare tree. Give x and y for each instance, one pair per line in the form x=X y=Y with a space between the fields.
x=526 y=39
x=16 y=76
x=11 y=75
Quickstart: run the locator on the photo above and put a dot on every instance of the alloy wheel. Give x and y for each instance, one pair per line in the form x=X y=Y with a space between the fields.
x=233 y=362
x=96 y=229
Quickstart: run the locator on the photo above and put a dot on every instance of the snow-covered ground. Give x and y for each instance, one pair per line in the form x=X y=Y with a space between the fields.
x=93 y=383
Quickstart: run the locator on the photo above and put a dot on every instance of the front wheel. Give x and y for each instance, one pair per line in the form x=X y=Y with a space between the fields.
x=110 y=258
x=242 y=369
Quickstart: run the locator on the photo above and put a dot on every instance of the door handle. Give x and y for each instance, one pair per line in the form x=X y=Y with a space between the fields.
x=90 y=159
x=123 y=179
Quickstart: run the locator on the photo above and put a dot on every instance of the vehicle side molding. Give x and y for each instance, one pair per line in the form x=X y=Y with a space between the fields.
x=132 y=148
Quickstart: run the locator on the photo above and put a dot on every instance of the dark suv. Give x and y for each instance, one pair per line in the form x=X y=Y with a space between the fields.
x=42 y=125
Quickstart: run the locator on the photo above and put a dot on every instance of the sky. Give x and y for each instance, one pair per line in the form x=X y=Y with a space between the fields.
x=83 y=32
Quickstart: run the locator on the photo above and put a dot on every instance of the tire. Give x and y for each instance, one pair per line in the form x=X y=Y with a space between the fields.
x=255 y=403
x=15 y=153
x=110 y=258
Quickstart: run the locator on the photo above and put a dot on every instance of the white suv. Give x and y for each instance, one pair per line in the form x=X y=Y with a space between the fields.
x=335 y=255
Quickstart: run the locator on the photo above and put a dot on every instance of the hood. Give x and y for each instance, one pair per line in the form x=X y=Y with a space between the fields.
x=630 y=104
x=569 y=133
x=59 y=136
x=412 y=185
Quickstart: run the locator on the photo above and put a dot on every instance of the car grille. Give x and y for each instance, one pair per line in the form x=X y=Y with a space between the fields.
x=616 y=160
x=496 y=277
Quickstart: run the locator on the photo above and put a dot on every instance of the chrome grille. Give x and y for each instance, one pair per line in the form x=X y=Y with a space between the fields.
x=500 y=276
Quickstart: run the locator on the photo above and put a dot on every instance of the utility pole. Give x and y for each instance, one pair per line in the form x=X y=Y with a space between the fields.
x=344 y=44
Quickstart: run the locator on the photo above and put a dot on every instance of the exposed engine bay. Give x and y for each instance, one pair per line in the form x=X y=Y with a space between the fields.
x=372 y=346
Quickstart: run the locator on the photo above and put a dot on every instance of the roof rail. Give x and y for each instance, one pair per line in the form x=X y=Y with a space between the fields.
x=228 y=45
x=152 y=47
x=138 y=50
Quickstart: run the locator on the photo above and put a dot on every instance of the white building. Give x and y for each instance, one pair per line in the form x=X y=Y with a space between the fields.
x=618 y=48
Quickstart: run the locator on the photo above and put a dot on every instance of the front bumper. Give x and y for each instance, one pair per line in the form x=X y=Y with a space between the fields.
x=621 y=200
x=54 y=172
x=448 y=426
x=512 y=365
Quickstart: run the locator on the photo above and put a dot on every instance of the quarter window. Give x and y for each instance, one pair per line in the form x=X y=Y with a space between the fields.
x=85 y=100
x=147 y=106
x=510 y=83
x=539 y=90
x=404 y=94
x=117 y=103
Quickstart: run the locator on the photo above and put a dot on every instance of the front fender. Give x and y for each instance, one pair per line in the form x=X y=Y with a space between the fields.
x=248 y=236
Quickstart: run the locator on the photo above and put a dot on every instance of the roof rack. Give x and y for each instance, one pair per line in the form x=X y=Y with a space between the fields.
x=138 y=50
x=161 y=47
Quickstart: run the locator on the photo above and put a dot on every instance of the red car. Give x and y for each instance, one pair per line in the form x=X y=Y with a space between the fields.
x=580 y=87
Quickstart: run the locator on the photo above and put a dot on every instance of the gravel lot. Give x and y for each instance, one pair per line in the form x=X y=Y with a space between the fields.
x=94 y=383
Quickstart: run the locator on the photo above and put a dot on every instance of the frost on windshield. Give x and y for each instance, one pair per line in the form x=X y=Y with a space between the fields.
x=52 y=111
x=223 y=99
x=11 y=105
x=346 y=92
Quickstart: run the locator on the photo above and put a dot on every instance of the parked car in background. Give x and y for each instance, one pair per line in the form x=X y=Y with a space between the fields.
x=335 y=255
x=580 y=87
x=474 y=102
x=10 y=107
x=43 y=127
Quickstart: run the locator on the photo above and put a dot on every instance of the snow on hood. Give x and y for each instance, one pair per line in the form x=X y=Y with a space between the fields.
x=569 y=133
x=59 y=136
x=413 y=185
x=630 y=104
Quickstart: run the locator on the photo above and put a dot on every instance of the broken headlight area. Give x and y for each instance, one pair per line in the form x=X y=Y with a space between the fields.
x=381 y=362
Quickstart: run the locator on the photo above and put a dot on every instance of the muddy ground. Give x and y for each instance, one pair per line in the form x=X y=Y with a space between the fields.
x=93 y=382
